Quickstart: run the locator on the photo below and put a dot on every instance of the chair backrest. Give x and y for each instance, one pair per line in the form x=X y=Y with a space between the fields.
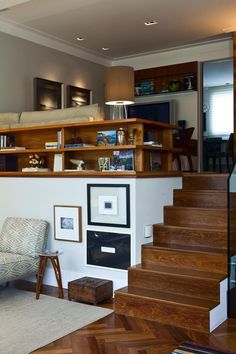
x=230 y=146
x=23 y=236
x=212 y=144
x=186 y=134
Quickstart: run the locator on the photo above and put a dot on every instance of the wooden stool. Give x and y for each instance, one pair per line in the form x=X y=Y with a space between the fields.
x=56 y=266
x=90 y=290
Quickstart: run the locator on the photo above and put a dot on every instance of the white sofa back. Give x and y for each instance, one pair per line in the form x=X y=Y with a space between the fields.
x=52 y=117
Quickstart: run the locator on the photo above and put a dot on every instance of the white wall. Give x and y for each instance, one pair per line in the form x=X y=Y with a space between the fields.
x=35 y=197
x=22 y=61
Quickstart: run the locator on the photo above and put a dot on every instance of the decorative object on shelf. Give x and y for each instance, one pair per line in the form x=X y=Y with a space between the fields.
x=104 y=163
x=189 y=82
x=78 y=163
x=174 y=86
x=108 y=249
x=121 y=136
x=132 y=136
x=47 y=94
x=108 y=204
x=123 y=160
x=119 y=89
x=155 y=161
x=106 y=137
x=67 y=223
x=35 y=160
x=77 y=96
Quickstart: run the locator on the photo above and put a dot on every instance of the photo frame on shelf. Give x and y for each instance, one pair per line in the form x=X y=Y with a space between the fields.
x=48 y=95
x=77 y=96
x=108 y=204
x=67 y=223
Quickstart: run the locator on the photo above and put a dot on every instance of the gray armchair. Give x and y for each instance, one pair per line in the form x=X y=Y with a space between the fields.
x=21 y=242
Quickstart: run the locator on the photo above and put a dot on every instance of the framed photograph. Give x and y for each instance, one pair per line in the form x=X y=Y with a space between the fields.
x=77 y=96
x=108 y=204
x=67 y=223
x=48 y=95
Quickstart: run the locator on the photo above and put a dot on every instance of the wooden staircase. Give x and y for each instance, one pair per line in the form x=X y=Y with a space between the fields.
x=181 y=280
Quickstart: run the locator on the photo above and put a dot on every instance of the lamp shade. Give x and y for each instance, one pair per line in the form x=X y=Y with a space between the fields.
x=119 y=85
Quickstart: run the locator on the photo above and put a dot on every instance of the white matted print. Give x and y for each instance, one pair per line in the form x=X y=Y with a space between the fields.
x=67 y=223
x=109 y=204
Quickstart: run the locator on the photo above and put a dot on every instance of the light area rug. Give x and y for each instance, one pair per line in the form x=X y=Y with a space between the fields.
x=27 y=324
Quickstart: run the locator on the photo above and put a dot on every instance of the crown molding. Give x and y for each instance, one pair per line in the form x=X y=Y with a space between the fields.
x=172 y=49
x=21 y=31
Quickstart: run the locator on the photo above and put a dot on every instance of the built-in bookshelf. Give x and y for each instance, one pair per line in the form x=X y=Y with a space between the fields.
x=80 y=148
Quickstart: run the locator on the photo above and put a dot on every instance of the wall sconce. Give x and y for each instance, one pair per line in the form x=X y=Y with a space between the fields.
x=119 y=89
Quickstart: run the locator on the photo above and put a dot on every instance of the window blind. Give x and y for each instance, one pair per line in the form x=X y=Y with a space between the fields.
x=220 y=115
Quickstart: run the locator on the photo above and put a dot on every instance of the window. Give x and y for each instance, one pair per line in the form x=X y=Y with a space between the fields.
x=220 y=113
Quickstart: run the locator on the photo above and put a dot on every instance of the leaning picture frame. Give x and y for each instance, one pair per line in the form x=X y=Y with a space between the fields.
x=77 y=96
x=48 y=95
x=108 y=205
x=67 y=223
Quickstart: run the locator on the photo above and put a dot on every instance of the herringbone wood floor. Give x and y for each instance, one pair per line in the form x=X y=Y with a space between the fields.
x=118 y=334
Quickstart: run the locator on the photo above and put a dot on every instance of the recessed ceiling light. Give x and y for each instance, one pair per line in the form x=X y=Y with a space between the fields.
x=105 y=48
x=80 y=39
x=151 y=23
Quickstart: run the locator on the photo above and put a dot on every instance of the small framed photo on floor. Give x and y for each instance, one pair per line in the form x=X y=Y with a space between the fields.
x=108 y=204
x=67 y=223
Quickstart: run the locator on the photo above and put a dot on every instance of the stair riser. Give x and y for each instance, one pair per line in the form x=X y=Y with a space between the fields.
x=217 y=182
x=169 y=236
x=201 y=200
x=204 y=288
x=211 y=262
x=179 y=216
x=163 y=312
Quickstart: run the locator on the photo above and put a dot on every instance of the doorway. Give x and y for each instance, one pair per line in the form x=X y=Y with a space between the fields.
x=217 y=116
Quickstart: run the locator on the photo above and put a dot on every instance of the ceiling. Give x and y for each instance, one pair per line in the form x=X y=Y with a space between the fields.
x=119 y=24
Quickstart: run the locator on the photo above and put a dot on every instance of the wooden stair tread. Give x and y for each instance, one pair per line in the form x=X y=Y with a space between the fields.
x=177 y=207
x=167 y=297
x=189 y=249
x=198 y=249
x=190 y=228
x=185 y=272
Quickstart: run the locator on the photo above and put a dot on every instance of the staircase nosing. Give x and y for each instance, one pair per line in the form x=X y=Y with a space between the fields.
x=206 y=307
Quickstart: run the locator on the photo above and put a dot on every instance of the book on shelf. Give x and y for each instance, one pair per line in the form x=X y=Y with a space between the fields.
x=123 y=160
x=76 y=146
x=13 y=148
x=51 y=145
x=7 y=140
x=35 y=169
x=59 y=139
x=57 y=163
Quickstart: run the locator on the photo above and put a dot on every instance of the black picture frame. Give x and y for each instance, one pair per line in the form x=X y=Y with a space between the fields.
x=77 y=96
x=108 y=205
x=47 y=94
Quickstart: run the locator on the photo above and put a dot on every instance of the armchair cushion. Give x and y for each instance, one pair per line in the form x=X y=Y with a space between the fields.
x=14 y=265
x=23 y=236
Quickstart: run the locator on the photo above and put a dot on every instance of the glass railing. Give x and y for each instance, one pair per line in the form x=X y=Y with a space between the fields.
x=232 y=245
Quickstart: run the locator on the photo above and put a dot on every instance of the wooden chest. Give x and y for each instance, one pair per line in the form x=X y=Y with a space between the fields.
x=90 y=290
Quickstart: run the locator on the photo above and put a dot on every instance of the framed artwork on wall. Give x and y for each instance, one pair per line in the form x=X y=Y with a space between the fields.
x=108 y=249
x=77 y=96
x=67 y=223
x=48 y=94
x=108 y=204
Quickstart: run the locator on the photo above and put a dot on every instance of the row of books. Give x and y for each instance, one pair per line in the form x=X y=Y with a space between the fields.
x=6 y=141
